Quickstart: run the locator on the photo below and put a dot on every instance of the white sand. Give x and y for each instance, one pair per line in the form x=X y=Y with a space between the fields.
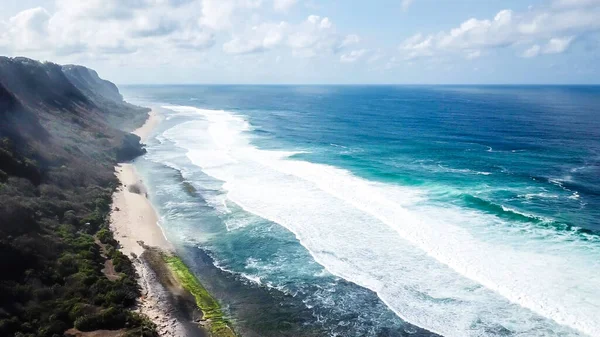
x=134 y=219
x=145 y=130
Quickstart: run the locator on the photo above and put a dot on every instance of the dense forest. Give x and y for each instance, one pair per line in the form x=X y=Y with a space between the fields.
x=62 y=130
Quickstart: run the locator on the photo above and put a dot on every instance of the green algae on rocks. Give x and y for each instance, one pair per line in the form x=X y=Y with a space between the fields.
x=211 y=310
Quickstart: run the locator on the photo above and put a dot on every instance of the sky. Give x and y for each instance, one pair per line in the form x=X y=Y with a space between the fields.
x=312 y=41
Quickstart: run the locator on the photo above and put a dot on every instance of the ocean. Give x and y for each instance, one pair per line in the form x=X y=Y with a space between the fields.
x=384 y=210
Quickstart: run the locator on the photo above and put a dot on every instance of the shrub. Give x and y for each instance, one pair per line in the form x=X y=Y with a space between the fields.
x=105 y=236
x=112 y=319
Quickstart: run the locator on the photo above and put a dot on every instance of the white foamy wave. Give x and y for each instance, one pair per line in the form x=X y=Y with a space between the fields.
x=160 y=139
x=219 y=266
x=340 y=146
x=560 y=181
x=464 y=171
x=452 y=271
x=584 y=169
x=526 y=215
x=541 y=195
x=490 y=149
x=251 y=278
x=254 y=279
x=237 y=222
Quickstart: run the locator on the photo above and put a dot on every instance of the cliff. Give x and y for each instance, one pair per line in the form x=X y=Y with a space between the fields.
x=119 y=114
x=61 y=133
x=88 y=81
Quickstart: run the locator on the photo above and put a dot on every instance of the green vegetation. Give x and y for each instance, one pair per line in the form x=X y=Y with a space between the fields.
x=54 y=281
x=56 y=184
x=211 y=310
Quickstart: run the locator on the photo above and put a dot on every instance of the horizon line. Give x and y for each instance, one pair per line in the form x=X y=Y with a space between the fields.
x=365 y=84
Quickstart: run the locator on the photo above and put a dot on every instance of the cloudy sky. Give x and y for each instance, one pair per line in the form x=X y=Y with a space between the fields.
x=312 y=41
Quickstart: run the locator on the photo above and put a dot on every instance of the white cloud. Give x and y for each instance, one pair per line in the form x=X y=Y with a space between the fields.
x=473 y=54
x=225 y=14
x=98 y=27
x=325 y=23
x=406 y=4
x=508 y=28
x=258 y=38
x=27 y=30
x=353 y=56
x=216 y=14
x=558 y=45
x=378 y=55
x=239 y=46
x=168 y=35
x=417 y=46
x=553 y=46
x=99 y=9
x=191 y=38
x=575 y=3
x=313 y=19
x=475 y=33
x=316 y=35
x=350 y=40
x=284 y=5
x=533 y=51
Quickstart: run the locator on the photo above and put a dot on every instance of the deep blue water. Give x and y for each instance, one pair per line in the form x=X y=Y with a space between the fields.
x=381 y=210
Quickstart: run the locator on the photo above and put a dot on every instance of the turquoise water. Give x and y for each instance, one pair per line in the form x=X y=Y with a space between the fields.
x=385 y=211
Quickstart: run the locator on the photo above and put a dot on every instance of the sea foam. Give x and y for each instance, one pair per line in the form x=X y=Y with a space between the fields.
x=453 y=271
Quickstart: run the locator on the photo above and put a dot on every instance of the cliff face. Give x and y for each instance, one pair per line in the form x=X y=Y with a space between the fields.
x=39 y=85
x=88 y=81
x=59 y=142
x=118 y=113
x=7 y=100
x=65 y=113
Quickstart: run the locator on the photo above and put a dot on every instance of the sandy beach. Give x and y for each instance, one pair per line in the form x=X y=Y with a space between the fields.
x=133 y=218
x=135 y=222
x=146 y=130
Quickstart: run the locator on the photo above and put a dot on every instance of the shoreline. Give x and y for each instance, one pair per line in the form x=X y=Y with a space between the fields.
x=150 y=124
x=134 y=223
x=133 y=218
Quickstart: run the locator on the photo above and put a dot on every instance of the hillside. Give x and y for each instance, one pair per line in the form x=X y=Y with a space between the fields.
x=59 y=143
